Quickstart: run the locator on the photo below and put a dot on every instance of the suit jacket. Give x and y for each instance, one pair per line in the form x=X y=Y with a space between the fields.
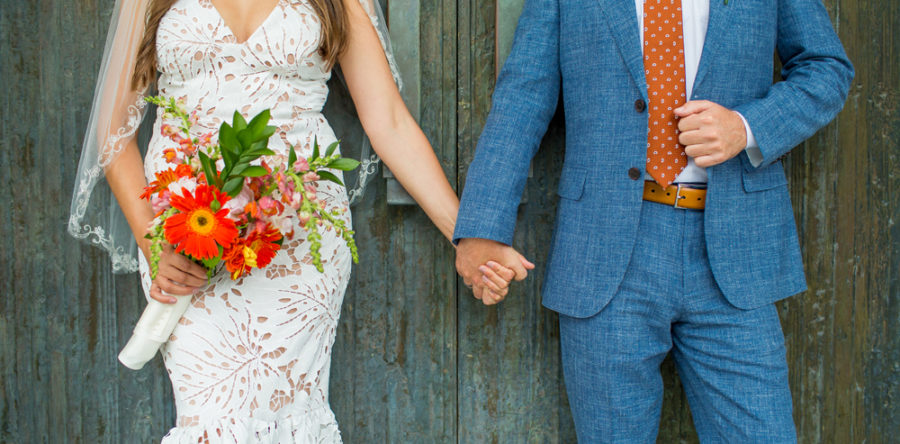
x=590 y=50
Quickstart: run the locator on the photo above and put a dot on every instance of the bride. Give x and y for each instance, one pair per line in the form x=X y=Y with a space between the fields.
x=249 y=360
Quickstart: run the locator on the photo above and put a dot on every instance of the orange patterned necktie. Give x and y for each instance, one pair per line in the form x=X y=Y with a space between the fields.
x=664 y=70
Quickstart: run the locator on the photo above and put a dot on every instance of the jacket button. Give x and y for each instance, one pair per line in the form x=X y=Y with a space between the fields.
x=640 y=105
x=634 y=173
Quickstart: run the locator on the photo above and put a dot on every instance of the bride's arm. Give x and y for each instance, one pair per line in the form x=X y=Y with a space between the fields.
x=125 y=176
x=399 y=141
x=395 y=135
x=111 y=143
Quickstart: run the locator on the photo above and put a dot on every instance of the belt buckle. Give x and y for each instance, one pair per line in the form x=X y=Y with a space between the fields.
x=678 y=197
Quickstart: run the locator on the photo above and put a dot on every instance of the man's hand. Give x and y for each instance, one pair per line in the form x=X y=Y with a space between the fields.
x=710 y=133
x=477 y=259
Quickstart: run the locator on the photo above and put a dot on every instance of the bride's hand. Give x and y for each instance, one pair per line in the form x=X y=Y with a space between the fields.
x=177 y=275
x=496 y=279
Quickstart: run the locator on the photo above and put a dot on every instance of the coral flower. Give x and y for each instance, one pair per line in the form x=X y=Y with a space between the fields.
x=256 y=251
x=197 y=229
x=166 y=178
x=171 y=155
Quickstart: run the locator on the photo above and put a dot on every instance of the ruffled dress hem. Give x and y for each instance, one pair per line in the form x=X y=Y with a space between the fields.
x=317 y=426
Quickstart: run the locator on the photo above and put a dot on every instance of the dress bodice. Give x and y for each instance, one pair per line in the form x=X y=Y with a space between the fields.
x=278 y=67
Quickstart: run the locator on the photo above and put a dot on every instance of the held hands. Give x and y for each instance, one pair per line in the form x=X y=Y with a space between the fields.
x=177 y=275
x=488 y=267
x=710 y=133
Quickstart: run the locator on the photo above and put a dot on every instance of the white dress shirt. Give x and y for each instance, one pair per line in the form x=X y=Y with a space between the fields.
x=694 y=19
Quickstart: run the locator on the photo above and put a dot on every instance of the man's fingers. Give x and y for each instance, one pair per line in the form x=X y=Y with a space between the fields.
x=688 y=138
x=693 y=107
x=521 y=272
x=526 y=263
x=689 y=123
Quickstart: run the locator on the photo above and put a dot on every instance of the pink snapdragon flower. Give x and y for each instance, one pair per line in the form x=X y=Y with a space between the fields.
x=160 y=201
x=301 y=165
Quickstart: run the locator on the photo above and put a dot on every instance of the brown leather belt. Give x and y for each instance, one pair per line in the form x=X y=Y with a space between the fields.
x=676 y=195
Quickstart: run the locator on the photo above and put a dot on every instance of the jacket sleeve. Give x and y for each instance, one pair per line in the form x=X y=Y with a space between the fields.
x=816 y=78
x=524 y=101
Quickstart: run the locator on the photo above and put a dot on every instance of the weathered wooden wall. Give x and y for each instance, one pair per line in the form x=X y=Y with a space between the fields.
x=417 y=360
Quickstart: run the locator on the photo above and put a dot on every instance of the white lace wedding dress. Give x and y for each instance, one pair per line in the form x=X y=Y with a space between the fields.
x=249 y=361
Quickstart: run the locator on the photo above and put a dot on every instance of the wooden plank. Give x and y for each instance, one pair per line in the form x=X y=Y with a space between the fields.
x=393 y=376
x=842 y=338
x=510 y=381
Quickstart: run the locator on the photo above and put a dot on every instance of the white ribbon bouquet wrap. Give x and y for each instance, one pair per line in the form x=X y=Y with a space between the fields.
x=152 y=331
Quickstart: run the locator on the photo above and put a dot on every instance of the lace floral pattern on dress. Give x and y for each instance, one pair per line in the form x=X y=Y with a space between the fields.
x=250 y=359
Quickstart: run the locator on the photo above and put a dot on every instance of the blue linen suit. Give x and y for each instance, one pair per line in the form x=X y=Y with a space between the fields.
x=604 y=235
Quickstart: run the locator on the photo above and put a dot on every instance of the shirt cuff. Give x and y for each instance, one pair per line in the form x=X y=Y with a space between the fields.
x=752 y=148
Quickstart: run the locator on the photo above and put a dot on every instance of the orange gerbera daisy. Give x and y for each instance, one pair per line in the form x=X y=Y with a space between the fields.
x=197 y=229
x=256 y=251
x=165 y=178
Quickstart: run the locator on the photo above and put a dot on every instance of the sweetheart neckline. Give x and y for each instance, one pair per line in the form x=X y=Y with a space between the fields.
x=259 y=27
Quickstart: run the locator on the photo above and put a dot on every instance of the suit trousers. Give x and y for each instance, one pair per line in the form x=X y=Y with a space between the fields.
x=731 y=362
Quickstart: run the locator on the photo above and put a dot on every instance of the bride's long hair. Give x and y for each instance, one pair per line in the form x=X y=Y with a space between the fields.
x=330 y=12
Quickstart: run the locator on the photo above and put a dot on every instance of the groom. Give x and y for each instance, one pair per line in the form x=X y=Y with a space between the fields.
x=675 y=230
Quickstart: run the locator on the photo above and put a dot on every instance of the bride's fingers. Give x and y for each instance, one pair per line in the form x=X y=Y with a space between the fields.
x=496 y=283
x=488 y=297
x=507 y=274
x=174 y=287
x=494 y=288
x=157 y=294
x=187 y=266
x=168 y=272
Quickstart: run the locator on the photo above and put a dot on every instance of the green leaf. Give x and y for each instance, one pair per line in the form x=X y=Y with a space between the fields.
x=257 y=152
x=255 y=171
x=239 y=169
x=241 y=164
x=239 y=123
x=233 y=186
x=267 y=132
x=344 y=164
x=227 y=137
x=209 y=169
x=292 y=157
x=258 y=124
x=325 y=175
x=230 y=158
x=246 y=138
x=315 y=153
x=331 y=148
x=258 y=145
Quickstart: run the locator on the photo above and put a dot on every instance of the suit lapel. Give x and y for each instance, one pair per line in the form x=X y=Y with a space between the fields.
x=622 y=19
x=716 y=39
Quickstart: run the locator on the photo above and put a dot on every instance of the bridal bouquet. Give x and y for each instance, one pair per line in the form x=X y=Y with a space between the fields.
x=223 y=206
